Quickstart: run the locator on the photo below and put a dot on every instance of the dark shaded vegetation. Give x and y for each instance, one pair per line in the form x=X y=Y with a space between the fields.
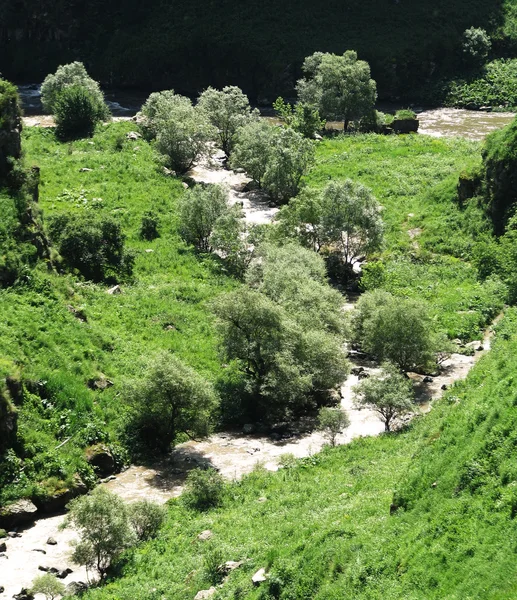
x=260 y=47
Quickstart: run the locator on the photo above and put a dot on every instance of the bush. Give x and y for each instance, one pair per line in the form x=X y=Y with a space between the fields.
x=275 y=157
x=227 y=110
x=203 y=489
x=149 y=226
x=93 y=245
x=332 y=421
x=405 y=113
x=302 y=117
x=77 y=111
x=10 y=127
x=476 y=45
x=48 y=585
x=73 y=74
x=170 y=399
x=181 y=130
x=146 y=518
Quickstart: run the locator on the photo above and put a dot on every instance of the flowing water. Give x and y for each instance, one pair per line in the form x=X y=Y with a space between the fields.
x=232 y=453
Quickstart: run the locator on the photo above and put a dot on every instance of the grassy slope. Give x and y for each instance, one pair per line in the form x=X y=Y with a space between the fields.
x=414 y=179
x=325 y=530
x=164 y=309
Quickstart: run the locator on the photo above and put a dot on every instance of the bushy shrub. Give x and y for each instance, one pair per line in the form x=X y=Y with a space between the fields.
x=10 y=127
x=203 y=489
x=93 y=245
x=149 y=226
x=146 y=518
x=332 y=422
x=73 y=74
x=476 y=44
x=180 y=129
x=227 y=110
x=302 y=117
x=77 y=111
x=275 y=157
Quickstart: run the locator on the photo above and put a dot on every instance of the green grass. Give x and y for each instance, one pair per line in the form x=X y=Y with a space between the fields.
x=163 y=308
x=414 y=178
x=325 y=529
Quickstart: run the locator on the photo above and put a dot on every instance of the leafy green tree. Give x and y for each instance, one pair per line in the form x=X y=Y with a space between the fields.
x=101 y=520
x=232 y=241
x=146 y=518
x=77 y=111
x=203 y=489
x=283 y=364
x=72 y=74
x=92 y=244
x=389 y=393
x=253 y=147
x=343 y=215
x=181 y=130
x=49 y=586
x=290 y=158
x=399 y=330
x=340 y=86
x=170 y=399
x=302 y=117
x=332 y=422
x=199 y=210
x=227 y=110
x=296 y=279
x=10 y=126
x=476 y=44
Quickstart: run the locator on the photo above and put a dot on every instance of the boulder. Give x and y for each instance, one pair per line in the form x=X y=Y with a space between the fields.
x=259 y=577
x=85 y=170
x=363 y=375
x=25 y=594
x=405 y=125
x=22 y=511
x=203 y=594
x=3 y=547
x=116 y=289
x=133 y=135
x=357 y=370
x=101 y=459
x=229 y=566
x=2 y=589
x=205 y=535
x=75 y=587
x=428 y=379
x=51 y=541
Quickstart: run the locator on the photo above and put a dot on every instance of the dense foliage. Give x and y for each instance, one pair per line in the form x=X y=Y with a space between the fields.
x=77 y=111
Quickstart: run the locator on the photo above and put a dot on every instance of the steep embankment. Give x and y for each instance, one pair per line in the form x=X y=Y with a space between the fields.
x=259 y=46
x=322 y=528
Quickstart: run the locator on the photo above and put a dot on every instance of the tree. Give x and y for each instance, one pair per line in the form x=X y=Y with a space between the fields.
x=227 y=110
x=73 y=74
x=48 y=585
x=284 y=365
x=302 y=117
x=145 y=518
x=231 y=239
x=290 y=158
x=343 y=215
x=199 y=210
x=332 y=421
x=181 y=130
x=476 y=44
x=390 y=394
x=92 y=244
x=399 y=330
x=10 y=127
x=253 y=148
x=170 y=399
x=340 y=86
x=77 y=111
x=102 y=522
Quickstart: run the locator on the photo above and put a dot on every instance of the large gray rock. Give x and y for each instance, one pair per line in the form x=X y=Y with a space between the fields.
x=204 y=594
x=22 y=511
x=101 y=459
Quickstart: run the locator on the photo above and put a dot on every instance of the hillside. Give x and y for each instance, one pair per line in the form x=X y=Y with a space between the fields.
x=425 y=513
x=258 y=46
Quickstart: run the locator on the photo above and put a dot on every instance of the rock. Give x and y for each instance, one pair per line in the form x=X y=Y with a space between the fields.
x=149 y=250
x=393 y=509
x=43 y=568
x=262 y=499
x=405 y=125
x=14 y=534
x=22 y=511
x=85 y=170
x=3 y=547
x=75 y=587
x=185 y=186
x=39 y=550
x=169 y=172
x=317 y=137
x=434 y=484
x=205 y=535
x=100 y=383
x=457 y=341
x=427 y=379
x=357 y=370
x=51 y=541
x=2 y=589
x=101 y=459
x=474 y=344
x=239 y=170
x=203 y=594
x=3 y=555
x=116 y=289
x=133 y=135
x=25 y=594
x=444 y=386
x=190 y=181
x=480 y=348
x=259 y=577
x=248 y=428
x=62 y=574
x=251 y=186
x=229 y=566
x=363 y=375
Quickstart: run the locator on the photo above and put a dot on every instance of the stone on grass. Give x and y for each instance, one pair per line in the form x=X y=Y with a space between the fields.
x=259 y=577
x=204 y=594
x=205 y=535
